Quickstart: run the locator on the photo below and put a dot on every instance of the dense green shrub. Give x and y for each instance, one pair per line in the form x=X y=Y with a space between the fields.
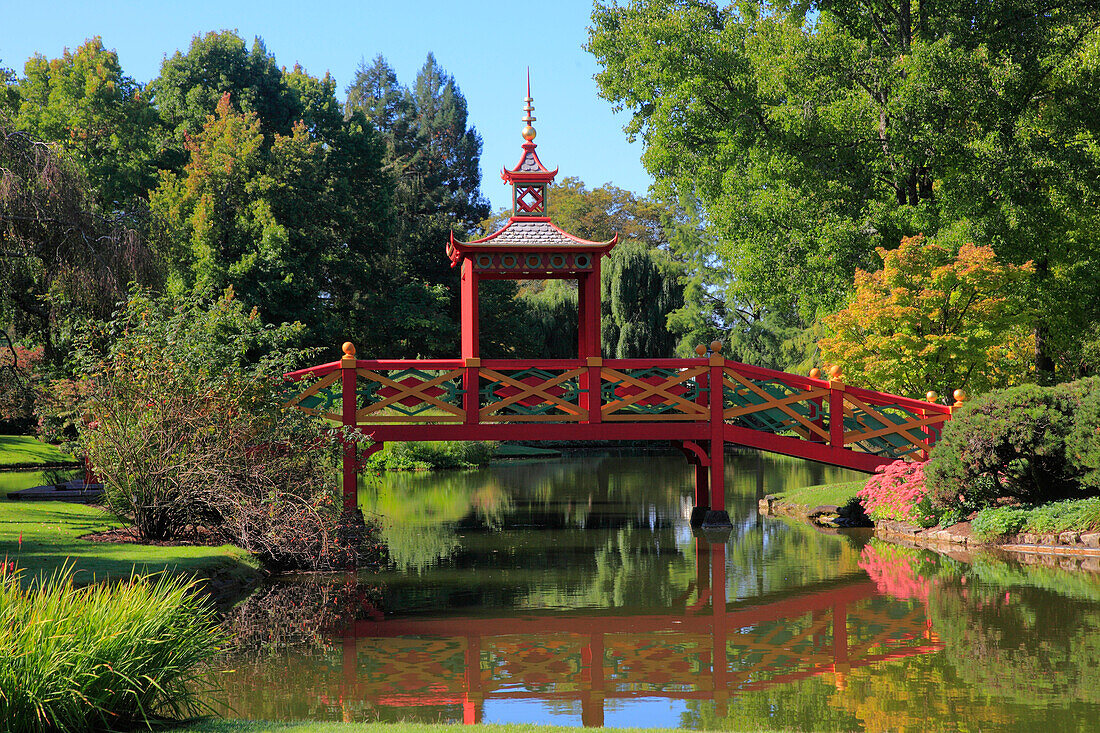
x=398 y=456
x=1083 y=440
x=1009 y=444
x=102 y=656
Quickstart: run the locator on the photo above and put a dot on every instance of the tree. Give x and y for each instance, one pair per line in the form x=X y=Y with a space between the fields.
x=191 y=85
x=60 y=263
x=99 y=116
x=434 y=156
x=931 y=319
x=187 y=428
x=814 y=138
x=295 y=227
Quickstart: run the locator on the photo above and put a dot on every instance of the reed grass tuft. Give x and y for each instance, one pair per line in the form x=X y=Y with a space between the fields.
x=101 y=657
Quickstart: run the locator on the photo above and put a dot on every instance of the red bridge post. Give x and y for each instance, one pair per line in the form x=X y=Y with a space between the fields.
x=351 y=452
x=716 y=516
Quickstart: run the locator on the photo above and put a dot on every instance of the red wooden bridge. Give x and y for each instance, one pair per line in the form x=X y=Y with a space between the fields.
x=699 y=404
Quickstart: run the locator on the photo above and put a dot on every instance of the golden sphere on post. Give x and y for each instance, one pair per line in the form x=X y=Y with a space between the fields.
x=835 y=372
x=701 y=350
x=815 y=373
x=716 y=347
x=349 y=348
x=960 y=396
x=932 y=396
x=528 y=133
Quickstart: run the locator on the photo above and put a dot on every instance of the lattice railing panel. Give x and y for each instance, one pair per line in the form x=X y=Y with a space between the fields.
x=534 y=663
x=774 y=406
x=323 y=398
x=531 y=395
x=410 y=666
x=890 y=430
x=409 y=395
x=653 y=393
x=778 y=648
x=658 y=662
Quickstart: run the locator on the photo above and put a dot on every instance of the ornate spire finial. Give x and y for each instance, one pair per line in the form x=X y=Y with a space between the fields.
x=528 y=107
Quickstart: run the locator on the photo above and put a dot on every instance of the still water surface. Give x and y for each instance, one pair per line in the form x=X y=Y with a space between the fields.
x=574 y=592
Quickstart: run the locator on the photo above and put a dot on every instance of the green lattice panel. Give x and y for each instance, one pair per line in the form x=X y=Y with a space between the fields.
x=770 y=420
x=655 y=404
x=891 y=445
x=370 y=392
x=568 y=391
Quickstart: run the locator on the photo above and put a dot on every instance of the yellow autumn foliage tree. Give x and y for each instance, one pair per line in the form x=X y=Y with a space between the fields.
x=934 y=319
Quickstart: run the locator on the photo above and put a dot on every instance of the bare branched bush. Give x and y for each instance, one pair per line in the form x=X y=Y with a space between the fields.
x=186 y=429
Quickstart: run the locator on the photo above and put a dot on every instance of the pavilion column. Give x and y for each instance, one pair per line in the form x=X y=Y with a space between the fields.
x=469 y=310
x=588 y=308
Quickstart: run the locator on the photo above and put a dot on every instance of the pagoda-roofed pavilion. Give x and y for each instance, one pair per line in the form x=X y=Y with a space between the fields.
x=530 y=246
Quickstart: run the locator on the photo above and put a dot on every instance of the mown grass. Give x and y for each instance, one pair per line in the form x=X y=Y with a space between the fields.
x=27 y=450
x=15 y=480
x=252 y=726
x=837 y=494
x=1077 y=515
x=104 y=656
x=51 y=531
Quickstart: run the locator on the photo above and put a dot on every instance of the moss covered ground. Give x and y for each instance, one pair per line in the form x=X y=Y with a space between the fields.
x=837 y=494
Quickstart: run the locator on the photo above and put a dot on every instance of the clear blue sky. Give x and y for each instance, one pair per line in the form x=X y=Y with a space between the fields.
x=485 y=45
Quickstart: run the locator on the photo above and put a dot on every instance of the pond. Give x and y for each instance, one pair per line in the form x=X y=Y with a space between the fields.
x=575 y=592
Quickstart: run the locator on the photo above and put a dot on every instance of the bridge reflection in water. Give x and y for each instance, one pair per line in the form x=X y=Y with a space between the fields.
x=708 y=650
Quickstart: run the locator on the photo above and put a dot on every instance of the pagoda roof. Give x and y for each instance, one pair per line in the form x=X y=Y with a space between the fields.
x=529 y=169
x=527 y=233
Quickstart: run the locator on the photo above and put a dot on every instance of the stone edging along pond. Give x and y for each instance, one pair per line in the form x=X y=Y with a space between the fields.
x=1071 y=550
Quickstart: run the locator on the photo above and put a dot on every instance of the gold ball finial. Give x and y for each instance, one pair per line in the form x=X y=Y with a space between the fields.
x=528 y=133
x=836 y=373
x=701 y=350
x=815 y=373
x=716 y=347
x=960 y=397
x=932 y=396
x=349 y=348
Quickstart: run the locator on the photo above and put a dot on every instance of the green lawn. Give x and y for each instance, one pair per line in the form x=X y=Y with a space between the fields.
x=248 y=726
x=811 y=496
x=24 y=449
x=15 y=480
x=50 y=533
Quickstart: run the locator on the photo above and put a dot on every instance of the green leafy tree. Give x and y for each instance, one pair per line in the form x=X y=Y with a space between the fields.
x=191 y=85
x=813 y=138
x=294 y=228
x=933 y=319
x=434 y=157
x=99 y=116
x=60 y=262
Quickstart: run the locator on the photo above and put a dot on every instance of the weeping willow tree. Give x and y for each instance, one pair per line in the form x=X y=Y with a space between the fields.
x=641 y=286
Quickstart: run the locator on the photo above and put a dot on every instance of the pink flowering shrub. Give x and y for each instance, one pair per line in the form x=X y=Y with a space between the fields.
x=897 y=492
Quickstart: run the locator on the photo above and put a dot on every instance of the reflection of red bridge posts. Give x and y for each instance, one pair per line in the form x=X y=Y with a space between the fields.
x=694 y=653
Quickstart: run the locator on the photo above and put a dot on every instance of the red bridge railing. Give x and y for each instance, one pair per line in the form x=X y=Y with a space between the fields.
x=655 y=399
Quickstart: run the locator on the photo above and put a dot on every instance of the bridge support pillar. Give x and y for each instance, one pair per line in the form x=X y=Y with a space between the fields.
x=716 y=516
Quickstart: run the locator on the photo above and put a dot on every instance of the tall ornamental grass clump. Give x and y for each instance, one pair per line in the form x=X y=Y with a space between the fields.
x=101 y=657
